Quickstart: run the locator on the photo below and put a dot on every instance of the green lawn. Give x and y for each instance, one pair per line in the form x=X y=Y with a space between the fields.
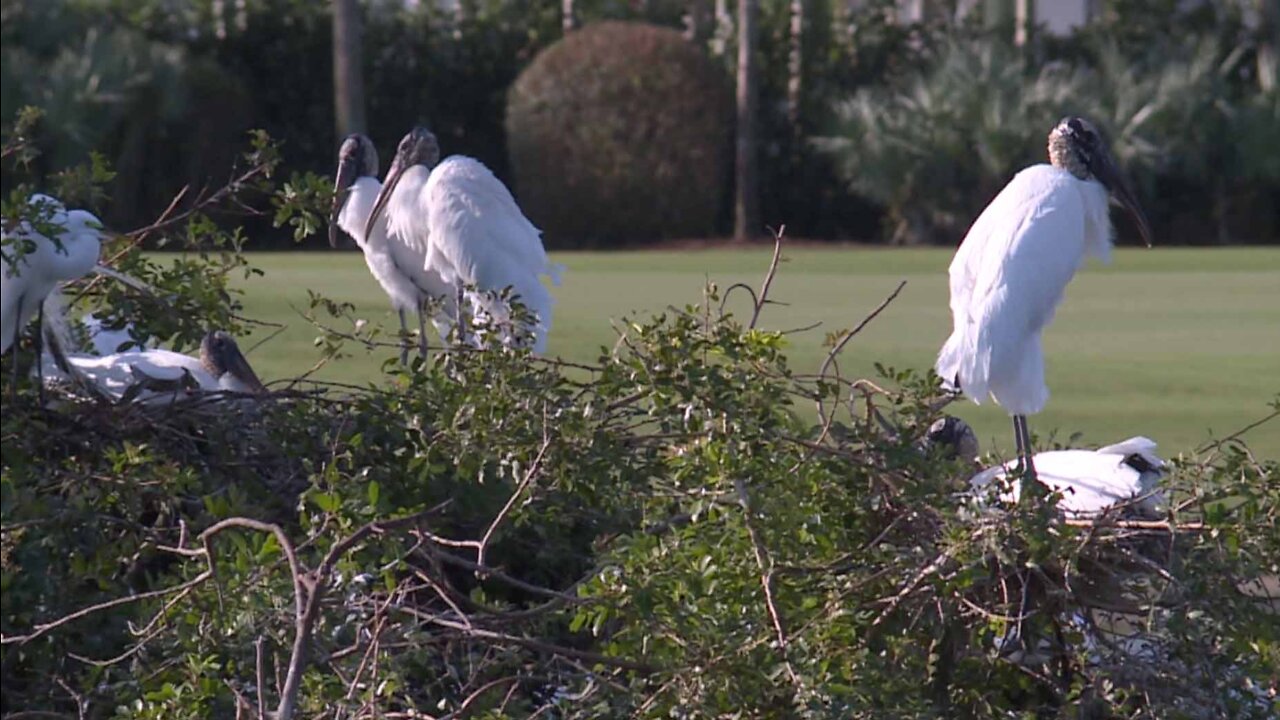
x=1177 y=344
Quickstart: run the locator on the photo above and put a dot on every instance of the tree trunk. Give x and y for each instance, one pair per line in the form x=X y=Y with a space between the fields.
x=1021 y=21
x=348 y=75
x=1268 y=33
x=568 y=17
x=746 y=211
x=795 y=66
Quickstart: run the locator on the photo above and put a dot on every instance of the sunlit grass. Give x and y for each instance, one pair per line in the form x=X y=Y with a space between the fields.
x=1176 y=344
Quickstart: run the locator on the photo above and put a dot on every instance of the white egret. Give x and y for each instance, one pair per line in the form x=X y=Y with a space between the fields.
x=397 y=262
x=475 y=233
x=1010 y=272
x=1090 y=481
x=28 y=279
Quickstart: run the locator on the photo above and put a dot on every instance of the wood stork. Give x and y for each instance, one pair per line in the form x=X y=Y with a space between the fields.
x=1010 y=272
x=146 y=376
x=474 y=232
x=397 y=262
x=104 y=340
x=28 y=279
x=1090 y=481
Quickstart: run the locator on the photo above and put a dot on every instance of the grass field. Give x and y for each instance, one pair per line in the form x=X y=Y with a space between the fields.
x=1181 y=345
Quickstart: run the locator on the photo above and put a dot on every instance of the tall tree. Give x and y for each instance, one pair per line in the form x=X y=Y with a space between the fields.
x=348 y=74
x=795 y=64
x=1021 y=21
x=568 y=16
x=1268 y=33
x=746 y=206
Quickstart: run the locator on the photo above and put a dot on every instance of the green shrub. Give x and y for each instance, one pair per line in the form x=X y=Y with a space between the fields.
x=934 y=148
x=1186 y=121
x=620 y=132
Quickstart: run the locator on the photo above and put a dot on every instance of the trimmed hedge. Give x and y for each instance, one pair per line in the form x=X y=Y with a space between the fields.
x=620 y=132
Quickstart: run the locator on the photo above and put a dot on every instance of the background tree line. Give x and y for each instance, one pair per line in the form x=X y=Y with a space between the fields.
x=873 y=120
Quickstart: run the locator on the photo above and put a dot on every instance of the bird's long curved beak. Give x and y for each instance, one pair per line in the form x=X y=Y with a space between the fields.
x=1109 y=175
x=341 y=185
x=238 y=365
x=388 y=186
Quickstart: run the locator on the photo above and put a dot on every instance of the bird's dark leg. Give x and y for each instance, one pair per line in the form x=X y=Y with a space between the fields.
x=461 y=317
x=1027 y=450
x=1031 y=485
x=404 y=338
x=40 y=355
x=422 y=332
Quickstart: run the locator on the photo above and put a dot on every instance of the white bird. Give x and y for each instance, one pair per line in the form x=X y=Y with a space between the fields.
x=105 y=341
x=1090 y=481
x=397 y=262
x=146 y=376
x=1010 y=272
x=28 y=279
x=475 y=233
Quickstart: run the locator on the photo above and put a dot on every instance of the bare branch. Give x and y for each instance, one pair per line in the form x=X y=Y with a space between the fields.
x=85 y=612
x=511 y=501
x=768 y=277
x=765 y=563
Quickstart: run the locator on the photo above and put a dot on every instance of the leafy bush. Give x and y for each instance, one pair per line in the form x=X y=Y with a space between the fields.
x=1185 y=120
x=936 y=148
x=620 y=132
x=655 y=533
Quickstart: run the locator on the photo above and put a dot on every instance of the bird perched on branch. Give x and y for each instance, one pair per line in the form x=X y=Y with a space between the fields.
x=1010 y=272
x=57 y=245
x=1090 y=481
x=397 y=262
x=475 y=234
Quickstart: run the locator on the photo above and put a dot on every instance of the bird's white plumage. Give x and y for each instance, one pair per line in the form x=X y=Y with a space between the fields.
x=1008 y=277
x=1090 y=480
x=476 y=235
x=25 y=286
x=105 y=341
x=114 y=374
x=397 y=261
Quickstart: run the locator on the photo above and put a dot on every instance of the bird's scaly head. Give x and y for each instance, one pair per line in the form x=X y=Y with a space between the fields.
x=219 y=355
x=357 y=158
x=419 y=147
x=1076 y=146
x=954 y=437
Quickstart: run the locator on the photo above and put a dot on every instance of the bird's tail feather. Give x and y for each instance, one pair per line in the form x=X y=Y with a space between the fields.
x=963 y=368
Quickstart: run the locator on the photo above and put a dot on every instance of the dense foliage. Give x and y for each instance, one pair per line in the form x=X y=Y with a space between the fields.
x=1188 y=113
x=654 y=534
x=165 y=90
x=604 y=125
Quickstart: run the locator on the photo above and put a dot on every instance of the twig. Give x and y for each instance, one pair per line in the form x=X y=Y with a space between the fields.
x=839 y=346
x=84 y=612
x=511 y=501
x=466 y=703
x=1136 y=524
x=1238 y=433
x=765 y=563
x=768 y=278
x=623 y=663
x=262 y=683
x=910 y=587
